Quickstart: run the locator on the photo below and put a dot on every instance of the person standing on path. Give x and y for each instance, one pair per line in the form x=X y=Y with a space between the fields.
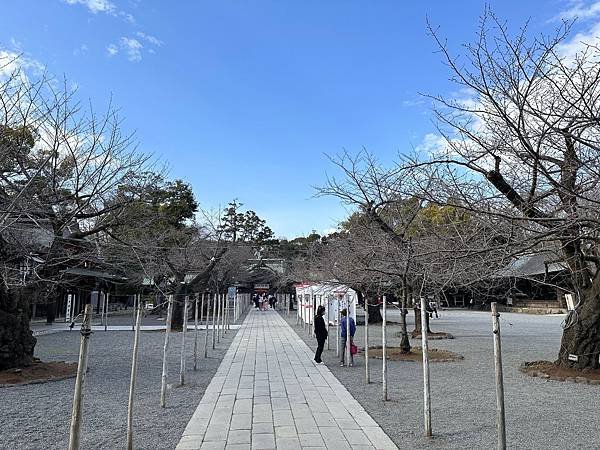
x=320 y=333
x=344 y=333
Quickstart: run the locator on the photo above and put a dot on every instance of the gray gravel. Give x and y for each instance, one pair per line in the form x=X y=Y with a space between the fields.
x=539 y=414
x=37 y=416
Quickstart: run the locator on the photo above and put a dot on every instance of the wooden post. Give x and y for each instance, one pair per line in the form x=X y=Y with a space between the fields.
x=101 y=298
x=219 y=313
x=135 y=296
x=214 y=320
x=163 y=386
x=136 y=338
x=327 y=324
x=80 y=380
x=426 y=388
x=106 y=297
x=367 y=368
x=186 y=303
x=339 y=328
x=196 y=333
x=384 y=350
x=206 y=324
x=500 y=418
x=348 y=337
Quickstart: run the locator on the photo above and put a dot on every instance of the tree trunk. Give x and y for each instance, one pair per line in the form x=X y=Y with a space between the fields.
x=374 y=313
x=404 y=341
x=16 y=339
x=582 y=338
x=178 y=310
x=50 y=312
x=417 y=330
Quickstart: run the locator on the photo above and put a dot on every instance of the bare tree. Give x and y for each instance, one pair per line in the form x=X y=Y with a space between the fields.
x=61 y=168
x=524 y=147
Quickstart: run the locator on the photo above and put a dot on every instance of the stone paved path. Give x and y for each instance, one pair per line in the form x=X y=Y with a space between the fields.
x=268 y=394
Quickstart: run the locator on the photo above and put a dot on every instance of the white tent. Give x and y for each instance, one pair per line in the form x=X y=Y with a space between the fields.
x=333 y=296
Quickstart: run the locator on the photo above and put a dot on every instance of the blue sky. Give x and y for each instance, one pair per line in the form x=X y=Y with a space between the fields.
x=243 y=99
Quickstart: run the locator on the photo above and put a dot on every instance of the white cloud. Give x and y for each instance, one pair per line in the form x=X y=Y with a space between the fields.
x=431 y=143
x=96 y=6
x=133 y=48
x=112 y=50
x=80 y=50
x=15 y=61
x=150 y=39
x=580 y=42
x=331 y=230
x=580 y=10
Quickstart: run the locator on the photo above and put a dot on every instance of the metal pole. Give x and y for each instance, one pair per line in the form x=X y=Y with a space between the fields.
x=80 y=380
x=196 y=333
x=163 y=385
x=500 y=421
x=426 y=388
x=384 y=349
x=136 y=338
x=367 y=368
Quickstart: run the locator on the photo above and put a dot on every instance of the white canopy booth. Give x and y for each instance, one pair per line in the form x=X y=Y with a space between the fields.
x=332 y=295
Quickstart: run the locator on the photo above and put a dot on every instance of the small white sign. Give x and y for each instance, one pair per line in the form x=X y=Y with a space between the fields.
x=573 y=357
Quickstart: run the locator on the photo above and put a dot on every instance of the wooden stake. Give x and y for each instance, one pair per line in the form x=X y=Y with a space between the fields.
x=206 y=324
x=186 y=303
x=135 y=303
x=77 y=410
x=214 y=320
x=367 y=368
x=500 y=418
x=339 y=328
x=196 y=333
x=384 y=350
x=426 y=387
x=106 y=297
x=348 y=337
x=163 y=386
x=219 y=314
x=327 y=324
x=132 y=380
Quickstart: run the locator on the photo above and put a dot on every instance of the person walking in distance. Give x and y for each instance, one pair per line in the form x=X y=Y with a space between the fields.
x=344 y=335
x=320 y=333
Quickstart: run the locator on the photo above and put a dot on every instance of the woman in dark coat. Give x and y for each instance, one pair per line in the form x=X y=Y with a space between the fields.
x=320 y=333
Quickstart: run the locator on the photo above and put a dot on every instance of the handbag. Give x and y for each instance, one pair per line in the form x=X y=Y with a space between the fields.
x=353 y=349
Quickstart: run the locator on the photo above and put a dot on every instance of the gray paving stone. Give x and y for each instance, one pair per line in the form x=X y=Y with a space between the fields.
x=241 y=422
x=263 y=441
x=268 y=392
x=239 y=437
x=288 y=443
x=311 y=440
x=262 y=427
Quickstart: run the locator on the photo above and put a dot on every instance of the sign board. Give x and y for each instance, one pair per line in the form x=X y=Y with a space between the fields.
x=68 y=312
x=573 y=357
x=261 y=286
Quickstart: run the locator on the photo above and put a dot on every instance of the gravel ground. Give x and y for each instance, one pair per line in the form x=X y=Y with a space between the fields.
x=539 y=414
x=38 y=416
